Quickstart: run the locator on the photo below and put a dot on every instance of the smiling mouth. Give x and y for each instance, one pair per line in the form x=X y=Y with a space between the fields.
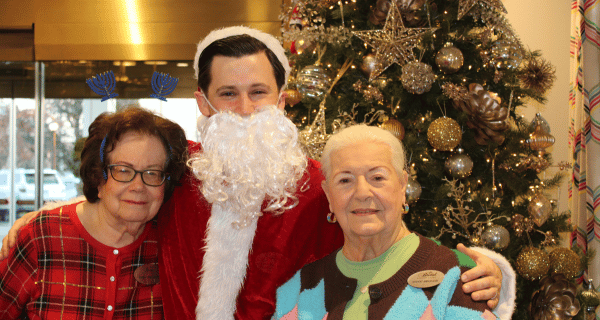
x=364 y=212
x=135 y=202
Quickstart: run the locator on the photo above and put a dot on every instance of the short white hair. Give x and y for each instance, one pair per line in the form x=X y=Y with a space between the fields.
x=270 y=41
x=363 y=133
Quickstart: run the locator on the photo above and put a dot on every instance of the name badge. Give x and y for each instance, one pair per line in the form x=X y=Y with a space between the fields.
x=426 y=279
x=147 y=274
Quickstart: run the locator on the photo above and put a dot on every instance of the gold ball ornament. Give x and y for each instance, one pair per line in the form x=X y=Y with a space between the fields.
x=532 y=263
x=444 y=134
x=292 y=97
x=395 y=127
x=449 y=59
x=369 y=64
x=565 y=261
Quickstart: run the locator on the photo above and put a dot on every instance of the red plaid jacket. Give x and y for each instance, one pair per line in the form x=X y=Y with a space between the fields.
x=58 y=271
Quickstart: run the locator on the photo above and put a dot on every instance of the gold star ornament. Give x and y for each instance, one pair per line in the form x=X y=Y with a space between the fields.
x=464 y=6
x=394 y=43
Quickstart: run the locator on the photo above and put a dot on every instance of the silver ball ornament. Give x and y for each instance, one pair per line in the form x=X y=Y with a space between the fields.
x=417 y=77
x=506 y=54
x=413 y=190
x=495 y=237
x=459 y=165
x=313 y=81
x=449 y=59
x=539 y=120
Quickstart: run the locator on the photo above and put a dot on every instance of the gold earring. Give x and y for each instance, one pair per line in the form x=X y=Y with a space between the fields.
x=331 y=218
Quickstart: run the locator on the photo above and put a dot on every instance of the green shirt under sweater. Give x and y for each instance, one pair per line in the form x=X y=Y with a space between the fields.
x=368 y=272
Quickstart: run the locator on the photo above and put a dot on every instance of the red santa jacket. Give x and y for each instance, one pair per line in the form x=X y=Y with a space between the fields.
x=282 y=245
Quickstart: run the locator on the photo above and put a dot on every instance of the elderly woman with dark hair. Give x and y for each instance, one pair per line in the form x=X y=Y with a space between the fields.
x=97 y=259
x=383 y=270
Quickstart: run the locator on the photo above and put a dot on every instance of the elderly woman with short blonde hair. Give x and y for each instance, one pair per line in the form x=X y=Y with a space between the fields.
x=383 y=270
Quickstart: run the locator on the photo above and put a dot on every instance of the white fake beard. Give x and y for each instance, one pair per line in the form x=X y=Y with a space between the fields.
x=243 y=161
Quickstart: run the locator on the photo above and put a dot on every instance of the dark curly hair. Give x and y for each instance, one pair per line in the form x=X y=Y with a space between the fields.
x=112 y=126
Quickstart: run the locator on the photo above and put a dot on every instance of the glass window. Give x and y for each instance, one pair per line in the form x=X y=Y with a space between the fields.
x=17 y=137
x=70 y=106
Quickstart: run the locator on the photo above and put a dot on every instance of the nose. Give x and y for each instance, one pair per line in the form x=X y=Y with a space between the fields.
x=363 y=189
x=137 y=183
x=246 y=107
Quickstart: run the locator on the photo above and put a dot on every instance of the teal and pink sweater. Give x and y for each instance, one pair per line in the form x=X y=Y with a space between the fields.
x=320 y=291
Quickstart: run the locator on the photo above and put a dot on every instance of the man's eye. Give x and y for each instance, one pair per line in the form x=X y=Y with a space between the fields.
x=227 y=94
x=152 y=173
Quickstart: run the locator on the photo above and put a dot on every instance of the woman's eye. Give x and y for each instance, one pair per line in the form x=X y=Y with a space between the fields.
x=344 y=180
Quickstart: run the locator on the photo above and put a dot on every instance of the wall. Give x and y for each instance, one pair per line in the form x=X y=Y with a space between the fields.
x=545 y=25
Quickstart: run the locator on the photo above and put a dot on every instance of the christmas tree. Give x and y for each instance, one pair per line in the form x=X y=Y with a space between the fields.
x=446 y=77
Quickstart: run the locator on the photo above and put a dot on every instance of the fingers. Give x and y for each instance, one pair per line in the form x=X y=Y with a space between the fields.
x=482 y=290
x=474 y=274
x=493 y=303
x=5 y=248
x=470 y=252
x=491 y=295
x=485 y=266
x=9 y=240
x=480 y=270
x=482 y=284
x=483 y=281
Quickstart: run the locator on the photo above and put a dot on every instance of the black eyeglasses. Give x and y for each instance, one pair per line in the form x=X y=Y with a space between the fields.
x=121 y=173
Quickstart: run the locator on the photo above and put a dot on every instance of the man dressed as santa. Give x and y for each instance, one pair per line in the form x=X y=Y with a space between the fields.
x=251 y=211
